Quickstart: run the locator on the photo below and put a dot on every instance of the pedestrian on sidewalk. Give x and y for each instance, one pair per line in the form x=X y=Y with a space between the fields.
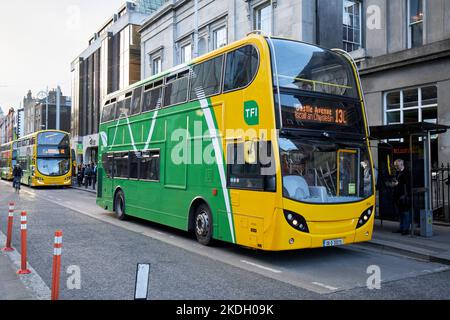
x=17 y=177
x=94 y=175
x=87 y=176
x=80 y=175
x=402 y=196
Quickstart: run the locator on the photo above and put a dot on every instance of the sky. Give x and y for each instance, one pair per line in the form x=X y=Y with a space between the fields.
x=40 y=38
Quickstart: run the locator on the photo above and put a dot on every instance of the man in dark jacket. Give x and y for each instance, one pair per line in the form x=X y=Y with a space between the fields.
x=402 y=196
x=87 y=174
x=94 y=175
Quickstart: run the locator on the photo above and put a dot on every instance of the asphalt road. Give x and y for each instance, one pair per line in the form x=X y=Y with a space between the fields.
x=107 y=251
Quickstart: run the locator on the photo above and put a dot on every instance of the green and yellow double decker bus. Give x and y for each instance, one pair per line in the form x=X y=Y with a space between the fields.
x=7 y=160
x=262 y=143
x=45 y=159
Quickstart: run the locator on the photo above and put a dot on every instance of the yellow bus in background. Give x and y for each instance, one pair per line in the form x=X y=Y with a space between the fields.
x=45 y=159
x=7 y=160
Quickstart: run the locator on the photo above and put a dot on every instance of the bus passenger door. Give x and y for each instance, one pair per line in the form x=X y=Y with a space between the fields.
x=347 y=181
x=104 y=178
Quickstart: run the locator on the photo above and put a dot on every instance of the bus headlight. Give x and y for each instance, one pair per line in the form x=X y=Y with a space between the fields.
x=365 y=217
x=296 y=221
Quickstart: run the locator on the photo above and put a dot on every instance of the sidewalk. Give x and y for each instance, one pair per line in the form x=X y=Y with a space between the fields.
x=436 y=249
x=82 y=188
x=11 y=288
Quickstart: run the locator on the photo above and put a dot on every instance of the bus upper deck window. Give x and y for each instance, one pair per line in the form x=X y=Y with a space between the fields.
x=242 y=66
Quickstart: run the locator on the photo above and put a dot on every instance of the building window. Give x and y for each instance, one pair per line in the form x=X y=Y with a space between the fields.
x=156 y=65
x=263 y=18
x=186 y=53
x=415 y=23
x=352 y=25
x=220 y=37
x=412 y=105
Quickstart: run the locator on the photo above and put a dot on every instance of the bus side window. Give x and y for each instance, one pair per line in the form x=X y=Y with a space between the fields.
x=119 y=109
x=152 y=99
x=108 y=112
x=176 y=90
x=107 y=161
x=251 y=166
x=136 y=102
x=242 y=66
x=206 y=78
x=121 y=165
x=134 y=164
x=149 y=167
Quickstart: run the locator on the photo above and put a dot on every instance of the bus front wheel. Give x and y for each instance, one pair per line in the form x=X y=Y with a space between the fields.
x=203 y=225
x=119 y=205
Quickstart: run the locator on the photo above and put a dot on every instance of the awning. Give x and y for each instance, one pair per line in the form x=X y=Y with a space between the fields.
x=397 y=131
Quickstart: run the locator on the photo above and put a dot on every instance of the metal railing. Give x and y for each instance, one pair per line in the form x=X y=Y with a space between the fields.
x=440 y=192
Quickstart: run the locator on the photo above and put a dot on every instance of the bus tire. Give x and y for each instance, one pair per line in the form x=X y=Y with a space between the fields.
x=119 y=205
x=203 y=224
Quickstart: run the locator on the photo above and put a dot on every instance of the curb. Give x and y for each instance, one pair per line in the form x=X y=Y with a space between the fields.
x=85 y=190
x=415 y=252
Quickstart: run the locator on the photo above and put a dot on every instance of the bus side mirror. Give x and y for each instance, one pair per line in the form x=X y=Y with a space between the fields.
x=250 y=152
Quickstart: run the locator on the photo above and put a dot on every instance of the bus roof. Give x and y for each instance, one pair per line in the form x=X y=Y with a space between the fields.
x=41 y=131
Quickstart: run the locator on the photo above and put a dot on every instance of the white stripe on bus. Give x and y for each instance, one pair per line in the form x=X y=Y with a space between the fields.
x=219 y=158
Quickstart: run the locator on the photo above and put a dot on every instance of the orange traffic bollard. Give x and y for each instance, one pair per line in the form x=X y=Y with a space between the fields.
x=23 y=231
x=56 y=265
x=10 y=226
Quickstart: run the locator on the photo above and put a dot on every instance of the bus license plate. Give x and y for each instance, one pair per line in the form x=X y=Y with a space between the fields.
x=333 y=243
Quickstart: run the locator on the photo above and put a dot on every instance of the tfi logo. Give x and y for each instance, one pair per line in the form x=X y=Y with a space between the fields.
x=251 y=113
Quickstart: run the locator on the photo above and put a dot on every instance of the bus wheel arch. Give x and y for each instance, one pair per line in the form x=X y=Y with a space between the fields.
x=119 y=204
x=200 y=210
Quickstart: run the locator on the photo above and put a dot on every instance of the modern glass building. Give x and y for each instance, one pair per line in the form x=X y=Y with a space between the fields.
x=109 y=63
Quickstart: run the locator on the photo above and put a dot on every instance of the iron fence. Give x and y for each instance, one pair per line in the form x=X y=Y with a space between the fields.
x=440 y=191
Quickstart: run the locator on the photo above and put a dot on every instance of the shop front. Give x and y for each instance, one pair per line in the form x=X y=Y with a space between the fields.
x=90 y=149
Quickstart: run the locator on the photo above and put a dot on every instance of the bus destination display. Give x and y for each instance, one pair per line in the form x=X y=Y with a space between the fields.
x=321 y=114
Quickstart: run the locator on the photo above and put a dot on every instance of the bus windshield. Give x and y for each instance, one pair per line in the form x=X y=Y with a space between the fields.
x=298 y=65
x=317 y=89
x=53 y=167
x=324 y=172
x=53 y=139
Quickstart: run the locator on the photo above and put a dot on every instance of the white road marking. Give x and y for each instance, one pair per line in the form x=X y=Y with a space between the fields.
x=325 y=286
x=31 y=281
x=29 y=193
x=261 y=267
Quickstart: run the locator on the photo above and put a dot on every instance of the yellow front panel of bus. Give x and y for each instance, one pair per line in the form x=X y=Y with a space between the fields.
x=258 y=217
x=251 y=209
